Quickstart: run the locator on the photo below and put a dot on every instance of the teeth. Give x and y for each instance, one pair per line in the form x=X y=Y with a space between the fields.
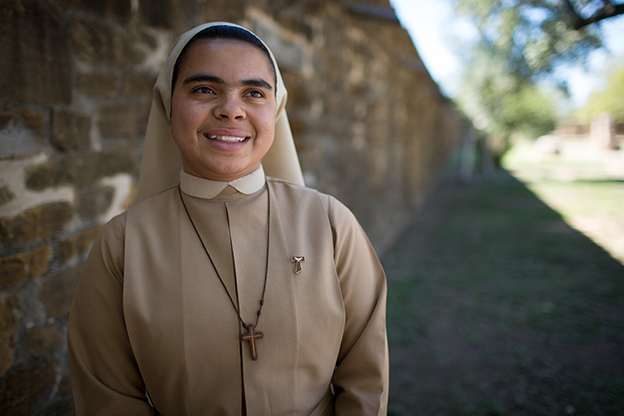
x=227 y=138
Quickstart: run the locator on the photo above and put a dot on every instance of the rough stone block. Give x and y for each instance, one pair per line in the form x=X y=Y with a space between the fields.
x=47 y=174
x=120 y=9
x=42 y=221
x=289 y=54
x=68 y=248
x=35 y=64
x=78 y=243
x=70 y=131
x=31 y=118
x=43 y=340
x=101 y=43
x=99 y=84
x=57 y=292
x=21 y=131
x=64 y=387
x=60 y=408
x=159 y=13
x=14 y=269
x=127 y=120
x=81 y=170
x=7 y=319
x=138 y=84
x=22 y=389
x=40 y=260
x=6 y=195
x=93 y=201
x=8 y=326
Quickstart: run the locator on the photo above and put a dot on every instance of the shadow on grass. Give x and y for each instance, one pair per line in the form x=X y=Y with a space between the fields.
x=497 y=307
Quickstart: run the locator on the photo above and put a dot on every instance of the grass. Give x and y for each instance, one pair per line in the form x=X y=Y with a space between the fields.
x=497 y=306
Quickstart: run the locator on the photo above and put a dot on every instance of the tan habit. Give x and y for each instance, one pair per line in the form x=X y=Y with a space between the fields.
x=152 y=330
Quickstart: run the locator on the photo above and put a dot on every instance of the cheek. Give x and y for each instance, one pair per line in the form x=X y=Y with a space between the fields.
x=267 y=123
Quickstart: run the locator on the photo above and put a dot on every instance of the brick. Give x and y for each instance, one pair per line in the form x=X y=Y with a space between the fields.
x=14 y=270
x=6 y=195
x=57 y=292
x=8 y=326
x=127 y=120
x=159 y=13
x=68 y=248
x=82 y=169
x=78 y=243
x=40 y=260
x=47 y=174
x=42 y=221
x=93 y=201
x=32 y=119
x=100 y=43
x=138 y=84
x=35 y=64
x=7 y=319
x=99 y=84
x=43 y=340
x=64 y=387
x=70 y=131
x=23 y=388
x=60 y=408
x=21 y=132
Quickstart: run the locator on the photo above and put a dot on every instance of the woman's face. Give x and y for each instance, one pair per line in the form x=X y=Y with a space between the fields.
x=223 y=109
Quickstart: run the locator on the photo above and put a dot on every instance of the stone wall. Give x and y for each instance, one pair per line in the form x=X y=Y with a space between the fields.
x=75 y=83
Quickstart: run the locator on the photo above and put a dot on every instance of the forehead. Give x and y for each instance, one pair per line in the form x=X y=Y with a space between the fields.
x=227 y=57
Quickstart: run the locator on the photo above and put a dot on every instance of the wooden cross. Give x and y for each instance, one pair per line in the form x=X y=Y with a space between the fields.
x=297 y=259
x=251 y=336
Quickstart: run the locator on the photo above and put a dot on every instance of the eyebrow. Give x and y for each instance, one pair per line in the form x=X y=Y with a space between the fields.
x=211 y=78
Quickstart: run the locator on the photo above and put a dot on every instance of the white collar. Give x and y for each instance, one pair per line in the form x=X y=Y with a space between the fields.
x=209 y=189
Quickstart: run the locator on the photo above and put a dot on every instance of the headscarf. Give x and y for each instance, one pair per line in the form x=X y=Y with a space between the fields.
x=162 y=160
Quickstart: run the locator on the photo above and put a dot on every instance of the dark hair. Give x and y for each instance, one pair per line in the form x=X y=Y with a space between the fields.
x=222 y=32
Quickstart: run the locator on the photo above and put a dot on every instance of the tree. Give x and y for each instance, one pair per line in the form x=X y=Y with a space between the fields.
x=521 y=43
x=501 y=106
x=535 y=36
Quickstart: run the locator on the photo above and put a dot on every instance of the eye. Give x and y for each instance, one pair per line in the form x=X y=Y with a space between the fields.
x=203 y=90
x=255 y=94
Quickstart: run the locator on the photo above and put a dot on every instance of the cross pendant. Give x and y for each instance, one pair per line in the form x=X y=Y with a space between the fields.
x=298 y=260
x=251 y=336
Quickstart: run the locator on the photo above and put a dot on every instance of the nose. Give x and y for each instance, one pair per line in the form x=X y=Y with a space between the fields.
x=229 y=108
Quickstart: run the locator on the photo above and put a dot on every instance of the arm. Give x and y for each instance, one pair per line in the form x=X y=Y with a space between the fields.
x=361 y=376
x=105 y=376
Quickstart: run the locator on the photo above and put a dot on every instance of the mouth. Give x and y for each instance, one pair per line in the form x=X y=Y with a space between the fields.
x=228 y=139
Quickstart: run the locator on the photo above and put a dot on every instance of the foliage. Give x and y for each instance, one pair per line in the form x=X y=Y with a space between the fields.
x=609 y=100
x=520 y=45
x=502 y=106
x=534 y=36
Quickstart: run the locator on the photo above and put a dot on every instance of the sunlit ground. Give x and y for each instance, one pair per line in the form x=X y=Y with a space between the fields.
x=583 y=183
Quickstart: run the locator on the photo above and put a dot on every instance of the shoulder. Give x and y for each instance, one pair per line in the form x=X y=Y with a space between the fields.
x=303 y=197
x=154 y=206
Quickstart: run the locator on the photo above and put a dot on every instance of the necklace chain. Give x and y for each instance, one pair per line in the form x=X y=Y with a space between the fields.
x=266 y=271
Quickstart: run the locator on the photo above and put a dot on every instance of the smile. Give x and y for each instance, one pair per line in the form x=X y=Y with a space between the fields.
x=227 y=138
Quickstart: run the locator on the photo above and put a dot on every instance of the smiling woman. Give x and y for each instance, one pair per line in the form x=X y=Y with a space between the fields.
x=223 y=109
x=225 y=291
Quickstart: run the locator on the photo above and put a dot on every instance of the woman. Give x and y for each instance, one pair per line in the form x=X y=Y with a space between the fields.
x=232 y=292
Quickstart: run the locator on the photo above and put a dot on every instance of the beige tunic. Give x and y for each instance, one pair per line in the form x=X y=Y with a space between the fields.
x=150 y=314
